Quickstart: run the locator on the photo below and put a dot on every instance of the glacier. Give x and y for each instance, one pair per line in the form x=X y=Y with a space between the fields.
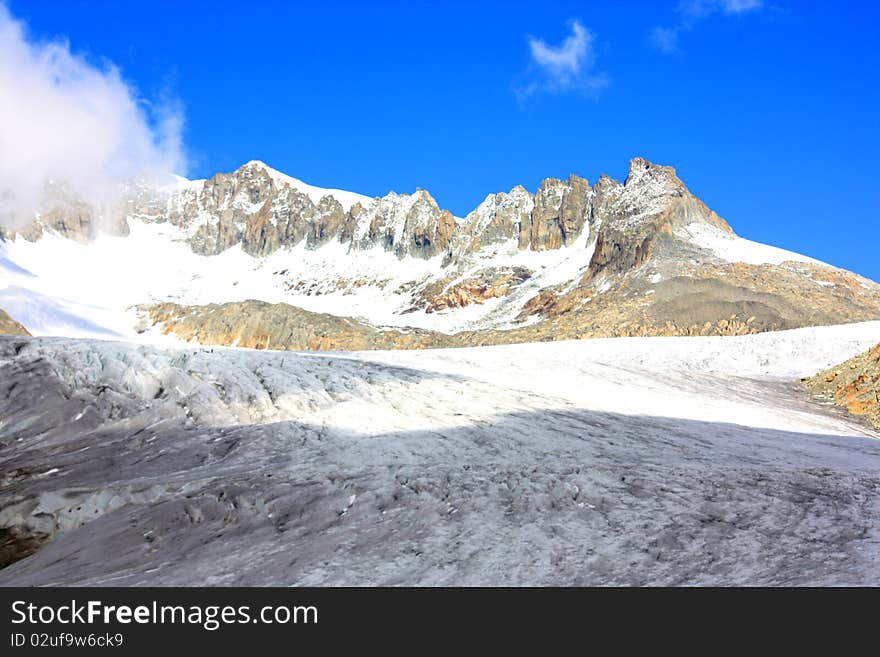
x=629 y=461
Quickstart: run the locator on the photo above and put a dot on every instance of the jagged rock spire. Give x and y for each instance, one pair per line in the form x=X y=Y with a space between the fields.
x=264 y=210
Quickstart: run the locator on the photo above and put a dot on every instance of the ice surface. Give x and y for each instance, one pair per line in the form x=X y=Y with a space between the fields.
x=43 y=315
x=623 y=461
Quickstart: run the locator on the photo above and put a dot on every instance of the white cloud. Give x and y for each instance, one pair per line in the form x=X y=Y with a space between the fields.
x=740 y=6
x=665 y=39
x=700 y=8
x=690 y=12
x=566 y=67
x=67 y=121
x=567 y=59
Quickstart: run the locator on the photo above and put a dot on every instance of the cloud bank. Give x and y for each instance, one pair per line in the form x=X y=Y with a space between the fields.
x=67 y=123
x=691 y=12
x=567 y=67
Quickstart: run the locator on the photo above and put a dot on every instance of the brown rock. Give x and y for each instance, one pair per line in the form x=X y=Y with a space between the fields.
x=853 y=385
x=560 y=212
x=9 y=326
x=489 y=284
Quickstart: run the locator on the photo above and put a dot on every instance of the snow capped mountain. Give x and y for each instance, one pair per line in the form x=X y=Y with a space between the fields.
x=315 y=194
x=642 y=257
x=699 y=448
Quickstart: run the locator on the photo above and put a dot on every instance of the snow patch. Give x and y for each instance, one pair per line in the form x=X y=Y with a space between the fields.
x=733 y=248
x=315 y=194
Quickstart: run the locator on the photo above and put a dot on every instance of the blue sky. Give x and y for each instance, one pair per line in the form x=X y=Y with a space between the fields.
x=768 y=110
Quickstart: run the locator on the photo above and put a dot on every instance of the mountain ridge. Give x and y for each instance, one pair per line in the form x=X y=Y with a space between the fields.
x=242 y=205
x=639 y=257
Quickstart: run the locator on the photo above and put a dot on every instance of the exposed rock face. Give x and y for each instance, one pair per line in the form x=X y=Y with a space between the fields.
x=561 y=210
x=213 y=239
x=640 y=215
x=499 y=218
x=606 y=193
x=854 y=385
x=488 y=284
x=16 y=543
x=553 y=217
x=263 y=211
x=326 y=222
x=261 y=325
x=9 y=326
x=410 y=225
x=548 y=304
x=73 y=219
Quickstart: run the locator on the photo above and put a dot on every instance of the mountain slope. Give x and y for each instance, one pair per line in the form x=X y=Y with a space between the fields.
x=642 y=257
x=854 y=385
x=9 y=326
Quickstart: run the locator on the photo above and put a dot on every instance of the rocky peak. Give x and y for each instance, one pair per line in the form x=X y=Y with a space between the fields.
x=407 y=224
x=264 y=210
x=562 y=209
x=641 y=170
x=648 y=190
x=651 y=190
x=606 y=193
x=499 y=218
x=419 y=233
x=641 y=215
x=249 y=186
x=326 y=222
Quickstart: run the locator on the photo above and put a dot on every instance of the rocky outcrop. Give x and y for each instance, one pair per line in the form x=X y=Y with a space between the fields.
x=414 y=225
x=261 y=325
x=560 y=212
x=9 y=326
x=724 y=299
x=555 y=216
x=264 y=210
x=485 y=285
x=73 y=219
x=639 y=216
x=213 y=238
x=548 y=305
x=854 y=385
x=499 y=218
x=326 y=222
